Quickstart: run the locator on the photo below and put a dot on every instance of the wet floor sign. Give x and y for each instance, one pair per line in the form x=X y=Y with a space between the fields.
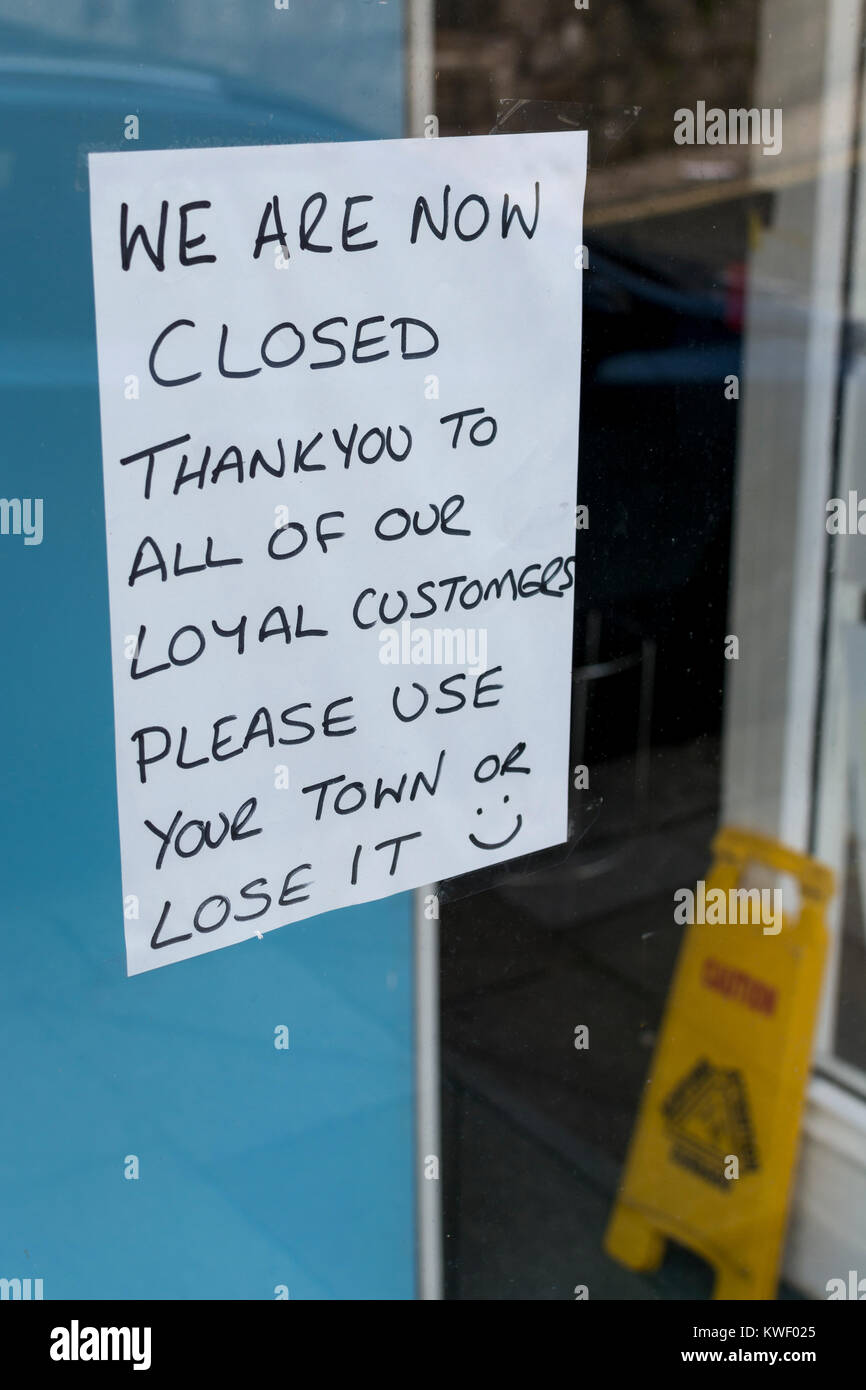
x=713 y=1150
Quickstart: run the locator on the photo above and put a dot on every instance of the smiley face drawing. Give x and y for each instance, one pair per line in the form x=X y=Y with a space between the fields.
x=490 y=768
x=498 y=844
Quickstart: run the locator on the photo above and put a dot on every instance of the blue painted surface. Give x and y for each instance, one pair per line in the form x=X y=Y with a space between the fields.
x=258 y=1167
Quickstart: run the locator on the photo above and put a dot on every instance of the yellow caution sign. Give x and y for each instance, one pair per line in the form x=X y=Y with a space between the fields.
x=712 y=1154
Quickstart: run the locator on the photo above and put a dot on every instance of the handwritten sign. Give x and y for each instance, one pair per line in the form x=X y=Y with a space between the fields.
x=339 y=398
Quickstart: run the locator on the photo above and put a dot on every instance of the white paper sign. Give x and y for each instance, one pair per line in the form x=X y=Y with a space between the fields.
x=339 y=398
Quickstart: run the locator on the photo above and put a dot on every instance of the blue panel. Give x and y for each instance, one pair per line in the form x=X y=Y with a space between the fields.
x=258 y=1167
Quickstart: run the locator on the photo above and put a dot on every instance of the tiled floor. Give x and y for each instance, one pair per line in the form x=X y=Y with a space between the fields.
x=535 y=1130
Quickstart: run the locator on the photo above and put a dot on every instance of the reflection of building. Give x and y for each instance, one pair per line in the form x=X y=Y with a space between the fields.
x=615 y=53
x=604 y=62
